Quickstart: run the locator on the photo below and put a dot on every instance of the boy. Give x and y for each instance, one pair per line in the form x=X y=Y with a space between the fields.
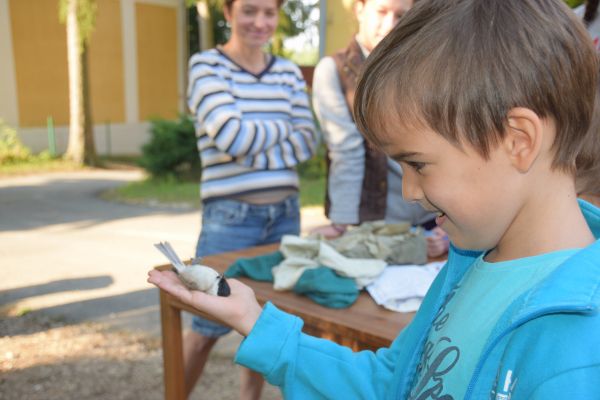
x=486 y=104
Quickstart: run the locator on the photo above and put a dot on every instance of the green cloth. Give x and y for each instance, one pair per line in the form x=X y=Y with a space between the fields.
x=325 y=287
x=256 y=268
x=321 y=284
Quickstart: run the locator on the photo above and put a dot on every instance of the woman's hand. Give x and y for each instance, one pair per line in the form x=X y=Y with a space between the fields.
x=437 y=242
x=329 y=231
x=240 y=310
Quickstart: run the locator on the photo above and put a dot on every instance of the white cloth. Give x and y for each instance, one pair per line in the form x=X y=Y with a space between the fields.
x=304 y=253
x=401 y=288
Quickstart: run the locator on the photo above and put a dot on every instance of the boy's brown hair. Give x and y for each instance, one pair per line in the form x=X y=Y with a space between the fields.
x=587 y=182
x=459 y=66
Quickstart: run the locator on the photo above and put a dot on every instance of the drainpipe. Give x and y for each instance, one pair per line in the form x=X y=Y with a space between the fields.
x=322 y=27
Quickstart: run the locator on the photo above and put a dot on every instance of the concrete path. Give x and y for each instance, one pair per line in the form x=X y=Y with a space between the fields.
x=66 y=252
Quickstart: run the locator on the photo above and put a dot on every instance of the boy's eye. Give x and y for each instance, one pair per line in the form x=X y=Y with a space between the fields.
x=417 y=166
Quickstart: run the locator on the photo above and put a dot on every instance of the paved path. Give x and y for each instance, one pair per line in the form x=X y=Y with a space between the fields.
x=66 y=252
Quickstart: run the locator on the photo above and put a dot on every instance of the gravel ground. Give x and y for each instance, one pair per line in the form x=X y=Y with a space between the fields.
x=46 y=359
x=89 y=261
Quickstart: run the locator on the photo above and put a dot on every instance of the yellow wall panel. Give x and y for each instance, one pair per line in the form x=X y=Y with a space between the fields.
x=40 y=56
x=106 y=64
x=341 y=25
x=156 y=29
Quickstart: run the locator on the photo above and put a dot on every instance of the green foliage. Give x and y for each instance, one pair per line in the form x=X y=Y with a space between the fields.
x=574 y=3
x=293 y=20
x=315 y=167
x=86 y=16
x=313 y=179
x=172 y=150
x=12 y=150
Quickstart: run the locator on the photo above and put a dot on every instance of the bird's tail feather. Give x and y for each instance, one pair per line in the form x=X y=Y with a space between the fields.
x=168 y=251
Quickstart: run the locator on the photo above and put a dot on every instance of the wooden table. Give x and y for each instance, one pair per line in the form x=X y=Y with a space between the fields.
x=364 y=325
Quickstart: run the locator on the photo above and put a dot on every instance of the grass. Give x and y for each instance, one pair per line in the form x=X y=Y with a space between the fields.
x=34 y=165
x=168 y=192
x=312 y=191
x=37 y=163
x=157 y=192
x=186 y=194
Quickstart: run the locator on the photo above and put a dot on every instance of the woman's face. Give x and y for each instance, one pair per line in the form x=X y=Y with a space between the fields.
x=376 y=18
x=253 y=22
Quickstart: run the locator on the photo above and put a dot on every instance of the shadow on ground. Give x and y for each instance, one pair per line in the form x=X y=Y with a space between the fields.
x=88 y=283
x=60 y=201
x=122 y=310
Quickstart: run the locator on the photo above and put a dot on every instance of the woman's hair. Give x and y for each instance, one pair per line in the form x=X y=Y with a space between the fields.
x=228 y=3
x=591 y=11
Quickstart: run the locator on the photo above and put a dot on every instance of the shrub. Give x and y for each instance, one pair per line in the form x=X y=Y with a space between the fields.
x=315 y=167
x=12 y=150
x=172 y=150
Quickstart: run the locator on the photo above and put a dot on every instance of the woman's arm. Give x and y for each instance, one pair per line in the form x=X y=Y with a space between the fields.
x=260 y=143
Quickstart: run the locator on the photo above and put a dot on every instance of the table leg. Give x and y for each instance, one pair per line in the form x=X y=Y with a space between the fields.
x=170 y=319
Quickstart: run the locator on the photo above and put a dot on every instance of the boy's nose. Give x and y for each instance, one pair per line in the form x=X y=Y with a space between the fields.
x=411 y=190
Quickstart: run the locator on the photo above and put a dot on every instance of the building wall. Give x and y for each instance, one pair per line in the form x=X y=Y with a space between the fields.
x=40 y=54
x=340 y=26
x=157 y=58
x=106 y=64
x=136 y=60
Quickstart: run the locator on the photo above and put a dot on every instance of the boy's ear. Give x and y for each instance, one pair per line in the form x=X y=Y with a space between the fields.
x=524 y=137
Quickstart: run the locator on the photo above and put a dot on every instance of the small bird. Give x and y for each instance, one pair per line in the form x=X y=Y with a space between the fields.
x=196 y=276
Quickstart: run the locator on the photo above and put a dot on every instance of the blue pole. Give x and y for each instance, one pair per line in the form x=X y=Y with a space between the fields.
x=108 y=144
x=322 y=27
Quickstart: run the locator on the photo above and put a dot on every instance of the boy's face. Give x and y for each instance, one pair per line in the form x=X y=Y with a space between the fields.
x=376 y=18
x=473 y=197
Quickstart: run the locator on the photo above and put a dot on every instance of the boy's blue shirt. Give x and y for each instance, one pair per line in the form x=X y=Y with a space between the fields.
x=545 y=345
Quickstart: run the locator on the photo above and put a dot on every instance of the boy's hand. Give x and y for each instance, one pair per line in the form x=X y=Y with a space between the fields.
x=240 y=310
x=437 y=242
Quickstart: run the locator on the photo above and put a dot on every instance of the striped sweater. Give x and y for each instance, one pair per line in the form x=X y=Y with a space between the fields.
x=252 y=129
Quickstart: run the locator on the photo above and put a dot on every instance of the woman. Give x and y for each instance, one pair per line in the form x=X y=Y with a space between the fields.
x=362 y=184
x=254 y=126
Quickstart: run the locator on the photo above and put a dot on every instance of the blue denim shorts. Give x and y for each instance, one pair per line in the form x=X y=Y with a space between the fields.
x=229 y=225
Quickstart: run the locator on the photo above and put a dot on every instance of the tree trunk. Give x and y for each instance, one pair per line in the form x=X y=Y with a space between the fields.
x=81 y=147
